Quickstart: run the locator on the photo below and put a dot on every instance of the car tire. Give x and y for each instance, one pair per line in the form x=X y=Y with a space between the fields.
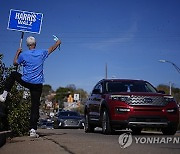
x=88 y=128
x=56 y=125
x=136 y=130
x=170 y=130
x=106 y=126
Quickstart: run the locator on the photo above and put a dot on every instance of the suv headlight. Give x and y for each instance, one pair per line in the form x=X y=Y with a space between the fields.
x=169 y=99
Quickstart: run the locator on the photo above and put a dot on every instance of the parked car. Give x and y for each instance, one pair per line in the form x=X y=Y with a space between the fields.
x=50 y=125
x=46 y=124
x=42 y=123
x=69 y=119
x=136 y=104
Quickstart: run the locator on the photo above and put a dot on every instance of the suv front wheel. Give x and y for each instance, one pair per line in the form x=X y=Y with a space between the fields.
x=106 y=126
x=170 y=130
x=87 y=126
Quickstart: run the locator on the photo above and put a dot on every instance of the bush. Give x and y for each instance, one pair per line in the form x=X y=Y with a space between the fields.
x=17 y=108
x=18 y=112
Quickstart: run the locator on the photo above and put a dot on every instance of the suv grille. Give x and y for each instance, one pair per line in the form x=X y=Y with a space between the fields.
x=147 y=100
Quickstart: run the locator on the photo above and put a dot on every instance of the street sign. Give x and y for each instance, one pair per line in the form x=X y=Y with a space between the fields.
x=25 y=21
x=76 y=97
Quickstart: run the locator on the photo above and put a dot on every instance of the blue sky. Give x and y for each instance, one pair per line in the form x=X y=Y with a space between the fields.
x=129 y=35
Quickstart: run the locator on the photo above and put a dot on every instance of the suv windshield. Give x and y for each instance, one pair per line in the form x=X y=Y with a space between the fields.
x=129 y=87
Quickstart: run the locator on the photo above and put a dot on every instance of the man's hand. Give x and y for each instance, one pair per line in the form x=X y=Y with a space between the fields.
x=16 y=56
x=19 y=51
x=55 y=38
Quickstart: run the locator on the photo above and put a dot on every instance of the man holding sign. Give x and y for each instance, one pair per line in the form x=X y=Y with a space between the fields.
x=32 y=78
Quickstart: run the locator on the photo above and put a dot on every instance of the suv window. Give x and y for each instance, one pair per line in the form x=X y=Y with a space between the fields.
x=99 y=87
x=129 y=87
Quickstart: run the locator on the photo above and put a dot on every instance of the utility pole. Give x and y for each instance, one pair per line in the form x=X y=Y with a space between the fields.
x=106 y=70
x=170 y=85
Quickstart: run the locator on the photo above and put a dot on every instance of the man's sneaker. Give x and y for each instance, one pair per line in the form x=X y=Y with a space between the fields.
x=2 y=99
x=33 y=133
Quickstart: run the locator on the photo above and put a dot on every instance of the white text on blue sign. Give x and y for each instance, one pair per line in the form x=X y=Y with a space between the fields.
x=25 y=21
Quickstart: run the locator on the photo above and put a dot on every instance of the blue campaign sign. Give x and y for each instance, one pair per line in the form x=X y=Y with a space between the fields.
x=25 y=21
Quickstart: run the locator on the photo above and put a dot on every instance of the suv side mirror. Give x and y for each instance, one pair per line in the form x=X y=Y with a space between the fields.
x=96 y=91
x=161 y=91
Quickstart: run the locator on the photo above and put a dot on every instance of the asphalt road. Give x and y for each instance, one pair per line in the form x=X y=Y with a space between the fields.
x=76 y=141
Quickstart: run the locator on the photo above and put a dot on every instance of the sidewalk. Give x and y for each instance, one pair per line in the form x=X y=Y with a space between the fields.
x=28 y=145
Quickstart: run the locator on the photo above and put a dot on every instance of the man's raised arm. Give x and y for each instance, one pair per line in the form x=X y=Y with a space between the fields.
x=52 y=48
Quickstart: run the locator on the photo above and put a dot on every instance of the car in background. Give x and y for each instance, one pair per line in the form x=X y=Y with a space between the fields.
x=68 y=119
x=135 y=104
x=46 y=124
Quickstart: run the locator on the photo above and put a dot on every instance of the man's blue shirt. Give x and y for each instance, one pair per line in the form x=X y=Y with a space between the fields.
x=32 y=62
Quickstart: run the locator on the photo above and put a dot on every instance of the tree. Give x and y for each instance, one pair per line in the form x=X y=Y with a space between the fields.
x=164 y=88
x=83 y=94
x=62 y=93
x=47 y=89
x=175 y=91
x=71 y=86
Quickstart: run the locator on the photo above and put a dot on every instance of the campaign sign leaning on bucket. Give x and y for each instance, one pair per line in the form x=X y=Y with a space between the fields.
x=25 y=21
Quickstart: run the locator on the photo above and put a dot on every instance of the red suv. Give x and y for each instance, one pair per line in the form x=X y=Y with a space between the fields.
x=135 y=104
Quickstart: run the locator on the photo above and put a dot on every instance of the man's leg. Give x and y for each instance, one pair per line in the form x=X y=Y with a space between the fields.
x=14 y=76
x=35 y=103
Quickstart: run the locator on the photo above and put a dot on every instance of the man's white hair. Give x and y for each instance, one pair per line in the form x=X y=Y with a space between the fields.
x=30 y=40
